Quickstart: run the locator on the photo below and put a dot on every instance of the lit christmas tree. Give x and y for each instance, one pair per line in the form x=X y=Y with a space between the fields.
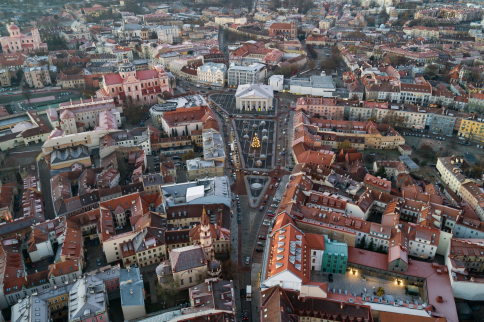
x=255 y=142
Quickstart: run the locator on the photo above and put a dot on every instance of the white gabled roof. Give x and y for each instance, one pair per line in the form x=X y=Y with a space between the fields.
x=261 y=90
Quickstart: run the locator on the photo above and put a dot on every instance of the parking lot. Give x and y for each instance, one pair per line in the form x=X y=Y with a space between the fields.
x=249 y=156
x=440 y=142
x=93 y=252
x=38 y=101
x=227 y=102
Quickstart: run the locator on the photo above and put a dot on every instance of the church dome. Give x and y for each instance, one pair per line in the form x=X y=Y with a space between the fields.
x=126 y=67
x=13 y=27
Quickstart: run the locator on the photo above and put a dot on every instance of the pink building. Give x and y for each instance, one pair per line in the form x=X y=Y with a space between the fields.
x=141 y=86
x=19 y=42
x=326 y=108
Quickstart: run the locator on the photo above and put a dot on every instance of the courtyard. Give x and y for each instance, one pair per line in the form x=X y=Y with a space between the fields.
x=246 y=129
x=359 y=283
x=227 y=102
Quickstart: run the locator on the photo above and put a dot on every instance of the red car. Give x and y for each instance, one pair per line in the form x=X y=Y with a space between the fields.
x=270 y=215
x=262 y=237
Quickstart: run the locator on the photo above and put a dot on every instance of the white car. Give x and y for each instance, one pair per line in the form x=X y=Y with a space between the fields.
x=118 y=228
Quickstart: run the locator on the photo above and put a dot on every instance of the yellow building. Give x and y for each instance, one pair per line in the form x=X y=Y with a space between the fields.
x=472 y=129
x=198 y=169
x=58 y=303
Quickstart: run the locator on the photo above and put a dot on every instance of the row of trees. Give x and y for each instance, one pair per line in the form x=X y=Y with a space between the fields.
x=370 y=246
x=55 y=42
x=332 y=62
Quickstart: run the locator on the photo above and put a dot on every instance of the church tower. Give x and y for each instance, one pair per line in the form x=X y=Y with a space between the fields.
x=206 y=240
x=126 y=69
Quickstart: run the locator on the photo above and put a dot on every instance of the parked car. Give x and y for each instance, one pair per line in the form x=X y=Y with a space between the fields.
x=98 y=262
x=247 y=260
x=262 y=237
x=330 y=278
x=245 y=316
x=258 y=249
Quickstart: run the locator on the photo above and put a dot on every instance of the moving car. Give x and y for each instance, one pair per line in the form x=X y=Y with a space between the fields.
x=247 y=260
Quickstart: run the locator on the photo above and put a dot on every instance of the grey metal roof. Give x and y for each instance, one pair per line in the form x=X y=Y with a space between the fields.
x=131 y=287
x=314 y=81
x=87 y=298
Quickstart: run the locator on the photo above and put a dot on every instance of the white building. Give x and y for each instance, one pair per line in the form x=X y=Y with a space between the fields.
x=199 y=192
x=240 y=75
x=212 y=74
x=450 y=173
x=80 y=31
x=128 y=31
x=254 y=97
x=226 y=19
x=464 y=259
x=167 y=34
x=314 y=85
x=277 y=83
x=38 y=76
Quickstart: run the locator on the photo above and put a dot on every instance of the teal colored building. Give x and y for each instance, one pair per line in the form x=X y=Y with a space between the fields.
x=335 y=257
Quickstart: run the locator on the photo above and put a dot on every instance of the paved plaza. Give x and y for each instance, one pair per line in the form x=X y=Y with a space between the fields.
x=245 y=131
x=355 y=284
x=256 y=187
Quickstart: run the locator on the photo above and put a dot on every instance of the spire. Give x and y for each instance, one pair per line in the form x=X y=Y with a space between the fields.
x=204 y=220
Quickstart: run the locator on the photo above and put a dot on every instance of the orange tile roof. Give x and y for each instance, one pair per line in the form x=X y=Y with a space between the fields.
x=63 y=268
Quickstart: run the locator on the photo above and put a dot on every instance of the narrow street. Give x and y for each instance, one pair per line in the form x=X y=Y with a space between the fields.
x=44 y=173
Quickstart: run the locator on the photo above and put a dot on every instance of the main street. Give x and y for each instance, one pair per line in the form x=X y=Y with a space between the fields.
x=245 y=236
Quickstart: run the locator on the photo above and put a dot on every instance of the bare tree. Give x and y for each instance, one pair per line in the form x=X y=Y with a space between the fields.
x=349 y=126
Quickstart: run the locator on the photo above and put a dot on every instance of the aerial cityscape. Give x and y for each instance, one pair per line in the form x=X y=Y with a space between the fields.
x=251 y=160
